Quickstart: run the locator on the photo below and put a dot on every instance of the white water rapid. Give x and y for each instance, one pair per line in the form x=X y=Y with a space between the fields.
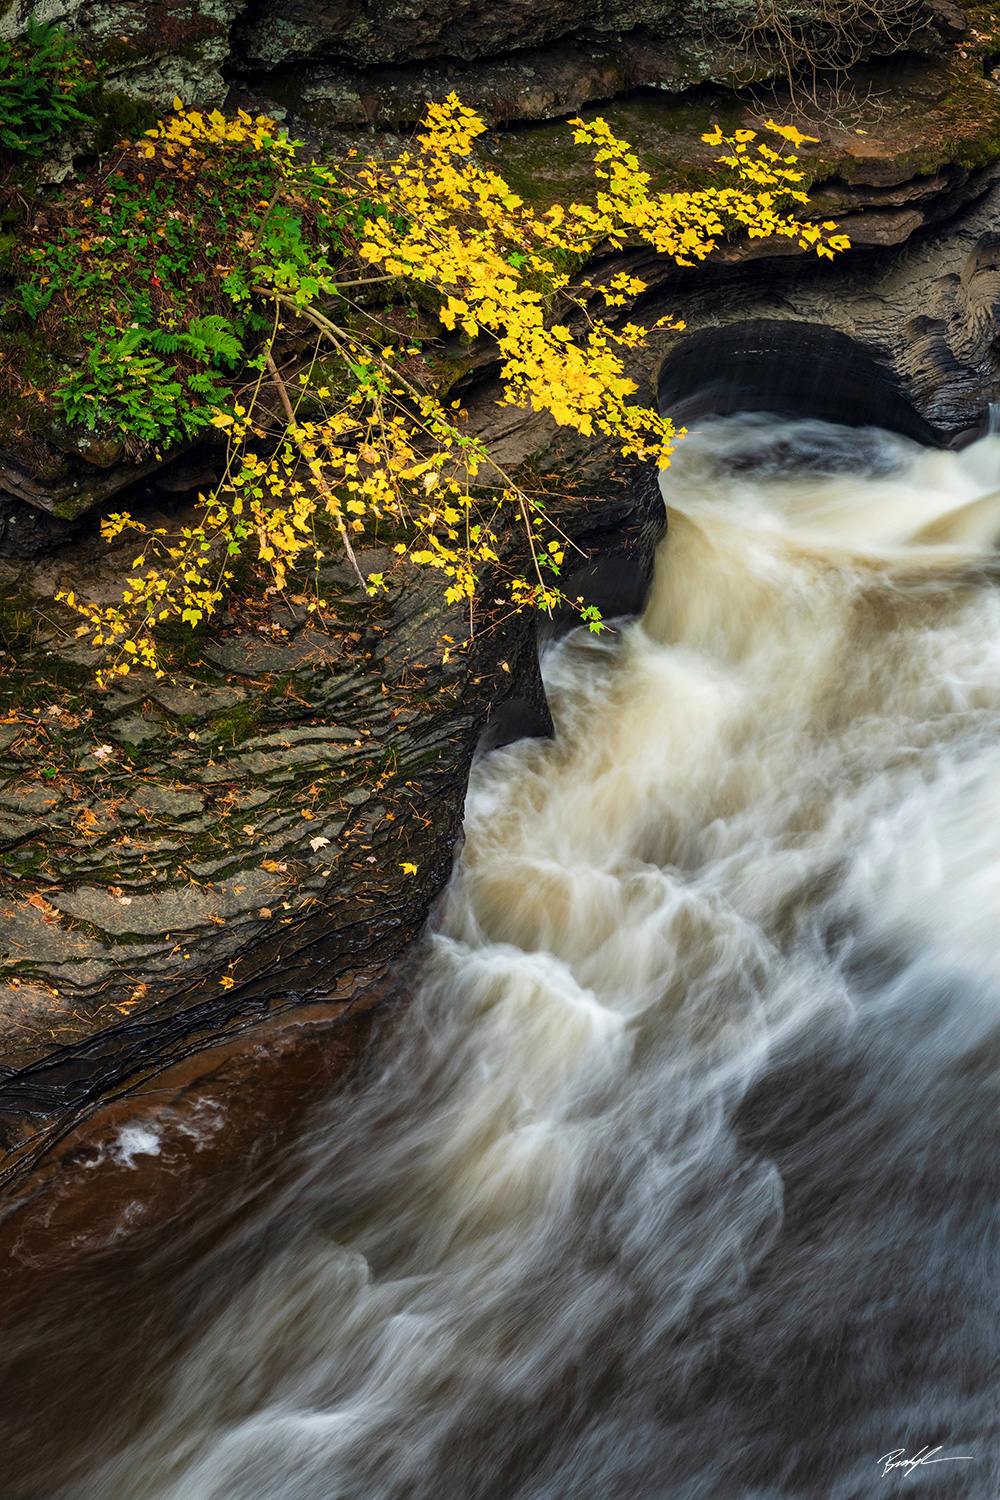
x=679 y=1179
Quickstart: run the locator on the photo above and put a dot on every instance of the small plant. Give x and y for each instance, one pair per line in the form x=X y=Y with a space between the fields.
x=124 y=390
x=154 y=263
x=43 y=78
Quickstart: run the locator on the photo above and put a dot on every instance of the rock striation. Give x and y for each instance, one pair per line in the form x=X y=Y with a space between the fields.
x=179 y=861
x=156 y=50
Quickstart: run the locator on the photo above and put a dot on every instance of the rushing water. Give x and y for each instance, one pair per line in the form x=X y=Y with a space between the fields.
x=679 y=1178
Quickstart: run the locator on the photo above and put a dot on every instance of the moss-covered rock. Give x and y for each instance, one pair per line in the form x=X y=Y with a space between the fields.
x=152 y=52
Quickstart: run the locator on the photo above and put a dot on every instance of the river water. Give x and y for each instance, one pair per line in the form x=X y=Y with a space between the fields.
x=679 y=1179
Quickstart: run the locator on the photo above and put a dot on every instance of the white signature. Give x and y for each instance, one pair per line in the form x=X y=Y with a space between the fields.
x=897 y=1459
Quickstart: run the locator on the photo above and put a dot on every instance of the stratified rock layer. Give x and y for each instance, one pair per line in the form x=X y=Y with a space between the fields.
x=157 y=50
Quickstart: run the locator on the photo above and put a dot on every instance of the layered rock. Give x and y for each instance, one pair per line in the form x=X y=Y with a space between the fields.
x=158 y=48
x=192 y=822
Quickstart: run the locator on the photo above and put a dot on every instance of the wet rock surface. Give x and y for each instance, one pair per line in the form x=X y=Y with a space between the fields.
x=927 y=311
x=182 y=858
x=269 y=799
x=112 y=1206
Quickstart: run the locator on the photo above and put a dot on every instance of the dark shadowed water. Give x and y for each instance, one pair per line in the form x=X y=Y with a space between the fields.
x=680 y=1179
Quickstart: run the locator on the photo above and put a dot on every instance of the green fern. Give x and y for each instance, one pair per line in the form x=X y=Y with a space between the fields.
x=163 y=342
x=213 y=337
x=42 y=80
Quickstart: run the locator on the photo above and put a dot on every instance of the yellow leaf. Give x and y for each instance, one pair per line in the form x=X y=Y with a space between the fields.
x=408 y=869
x=789 y=133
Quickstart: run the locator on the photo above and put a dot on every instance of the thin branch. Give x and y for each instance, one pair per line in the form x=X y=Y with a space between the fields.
x=328 y=495
x=263 y=223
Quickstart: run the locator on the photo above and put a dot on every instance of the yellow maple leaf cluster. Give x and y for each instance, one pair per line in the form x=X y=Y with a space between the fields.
x=387 y=449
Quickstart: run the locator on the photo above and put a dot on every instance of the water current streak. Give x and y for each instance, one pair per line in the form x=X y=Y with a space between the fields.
x=679 y=1179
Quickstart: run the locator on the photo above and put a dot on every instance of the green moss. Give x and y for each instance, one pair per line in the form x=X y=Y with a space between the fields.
x=120 y=51
x=243 y=719
x=117 y=117
x=7 y=243
x=23 y=418
x=18 y=617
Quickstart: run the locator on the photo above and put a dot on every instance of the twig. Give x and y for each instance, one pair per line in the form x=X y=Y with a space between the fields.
x=263 y=223
x=325 y=489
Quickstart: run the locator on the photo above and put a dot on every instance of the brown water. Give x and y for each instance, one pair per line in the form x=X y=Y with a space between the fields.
x=680 y=1177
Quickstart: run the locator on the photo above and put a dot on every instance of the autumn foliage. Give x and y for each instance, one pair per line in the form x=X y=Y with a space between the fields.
x=382 y=454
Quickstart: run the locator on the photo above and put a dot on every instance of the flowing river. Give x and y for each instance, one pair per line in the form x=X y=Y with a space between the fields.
x=679 y=1178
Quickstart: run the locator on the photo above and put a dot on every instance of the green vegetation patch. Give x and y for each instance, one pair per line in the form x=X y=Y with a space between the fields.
x=44 y=80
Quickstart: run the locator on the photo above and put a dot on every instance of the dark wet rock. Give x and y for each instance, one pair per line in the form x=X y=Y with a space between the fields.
x=367 y=32
x=793 y=369
x=616 y=586
x=114 y=1202
x=266 y=837
x=250 y=656
x=167 y=801
x=512 y=721
x=69 y=487
x=367 y=60
x=168 y=914
x=196 y=701
x=137 y=729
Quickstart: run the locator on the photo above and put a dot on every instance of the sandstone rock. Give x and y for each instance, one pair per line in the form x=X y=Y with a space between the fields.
x=137 y=729
x=167 y=801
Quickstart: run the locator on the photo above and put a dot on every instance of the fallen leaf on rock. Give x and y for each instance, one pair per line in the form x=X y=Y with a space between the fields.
x=40 y=904
x=317 y=844
x=250 y=828
x=273 y=864
x=101 y=752
x=265 y=911
x=408 y=869
x=227 y=981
